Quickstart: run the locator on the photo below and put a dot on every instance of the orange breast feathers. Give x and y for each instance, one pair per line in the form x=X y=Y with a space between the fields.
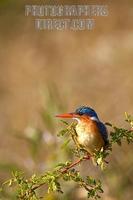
x=89 y=135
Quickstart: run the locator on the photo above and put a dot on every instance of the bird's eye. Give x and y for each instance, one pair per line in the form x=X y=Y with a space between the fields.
x=81 y=113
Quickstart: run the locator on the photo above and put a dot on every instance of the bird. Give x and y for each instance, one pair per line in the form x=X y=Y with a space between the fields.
x=91 y=132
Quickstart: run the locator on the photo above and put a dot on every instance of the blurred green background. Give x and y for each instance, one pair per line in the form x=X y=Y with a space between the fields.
x=43 y=73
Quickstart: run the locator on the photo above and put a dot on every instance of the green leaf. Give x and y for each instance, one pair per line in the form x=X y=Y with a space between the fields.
x=65 y=143
x=62 y=132
x=64 y=122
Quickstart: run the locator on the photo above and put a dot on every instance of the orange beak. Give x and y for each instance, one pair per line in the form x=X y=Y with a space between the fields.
x=68 y=115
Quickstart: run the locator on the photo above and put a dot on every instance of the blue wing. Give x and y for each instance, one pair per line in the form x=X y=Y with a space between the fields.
x=103 y=132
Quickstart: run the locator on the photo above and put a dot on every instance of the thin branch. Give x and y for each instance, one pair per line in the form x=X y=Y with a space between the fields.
x=64 y=170
x=75 y=163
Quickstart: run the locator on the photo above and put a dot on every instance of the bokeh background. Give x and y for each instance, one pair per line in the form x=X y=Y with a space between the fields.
x=43 y=73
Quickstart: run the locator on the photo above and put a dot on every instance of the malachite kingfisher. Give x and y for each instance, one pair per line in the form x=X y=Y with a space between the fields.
x=91 y=132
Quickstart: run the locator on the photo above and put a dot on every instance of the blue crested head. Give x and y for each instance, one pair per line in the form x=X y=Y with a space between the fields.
x=83 y=110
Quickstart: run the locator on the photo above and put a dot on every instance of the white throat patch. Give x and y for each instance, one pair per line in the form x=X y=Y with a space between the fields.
x=77 y=119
